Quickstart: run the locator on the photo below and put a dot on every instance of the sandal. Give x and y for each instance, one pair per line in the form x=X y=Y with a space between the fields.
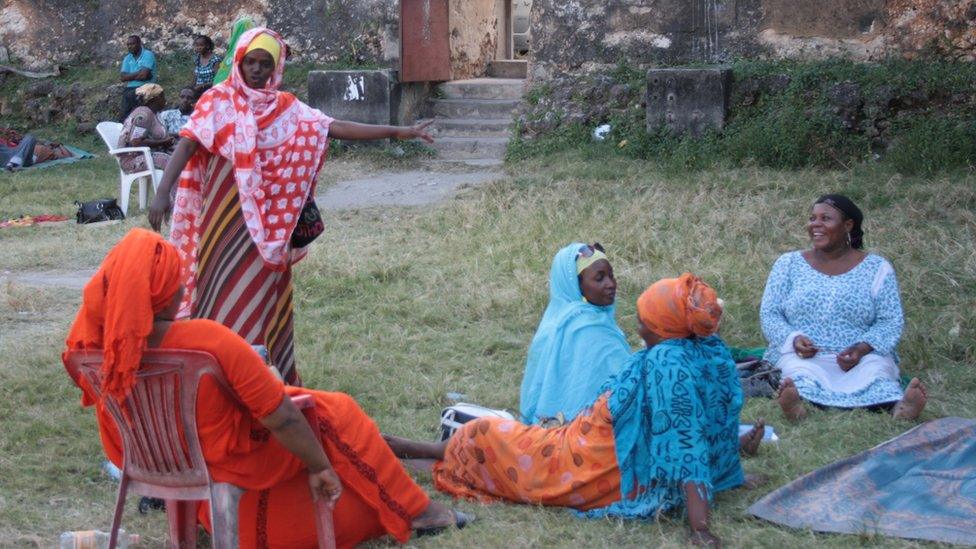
x=461 y=519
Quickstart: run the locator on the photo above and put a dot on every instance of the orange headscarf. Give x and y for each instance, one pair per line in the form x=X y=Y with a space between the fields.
x=137 y=279
x=680 y=307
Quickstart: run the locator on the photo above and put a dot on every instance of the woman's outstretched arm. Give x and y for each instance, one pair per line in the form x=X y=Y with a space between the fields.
x=343 y=129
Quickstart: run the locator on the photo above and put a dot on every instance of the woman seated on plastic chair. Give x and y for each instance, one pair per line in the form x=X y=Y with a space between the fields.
x=143 y=128
x=268 y=447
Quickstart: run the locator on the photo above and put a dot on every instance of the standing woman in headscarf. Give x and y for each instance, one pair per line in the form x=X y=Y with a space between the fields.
x=578 y=344
x=256 y=439
x=832 y=317
x=662 y=436
x=247 y=164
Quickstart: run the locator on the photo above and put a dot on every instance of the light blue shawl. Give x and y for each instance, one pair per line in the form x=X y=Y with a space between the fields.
x=575 y=349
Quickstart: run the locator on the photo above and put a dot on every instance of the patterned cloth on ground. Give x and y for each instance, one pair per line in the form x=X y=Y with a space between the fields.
x=919 y=485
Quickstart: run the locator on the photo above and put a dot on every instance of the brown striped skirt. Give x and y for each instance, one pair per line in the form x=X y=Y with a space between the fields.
x=234 y=286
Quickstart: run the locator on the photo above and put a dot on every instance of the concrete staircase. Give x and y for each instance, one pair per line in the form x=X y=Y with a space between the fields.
x=473 y=119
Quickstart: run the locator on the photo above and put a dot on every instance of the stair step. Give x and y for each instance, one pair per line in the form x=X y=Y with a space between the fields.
x=508 y=68
x=471 y=147
x=473 y=108
x=483 y=88
x=472 y=127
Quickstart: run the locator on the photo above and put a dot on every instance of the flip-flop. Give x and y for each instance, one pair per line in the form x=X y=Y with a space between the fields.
x=461 y=519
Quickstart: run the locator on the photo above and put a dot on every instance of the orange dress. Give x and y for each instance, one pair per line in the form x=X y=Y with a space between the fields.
x=378 y=498
x=570 y=466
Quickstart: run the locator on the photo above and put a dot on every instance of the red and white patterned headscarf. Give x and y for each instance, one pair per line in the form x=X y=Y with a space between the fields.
x=277 y=145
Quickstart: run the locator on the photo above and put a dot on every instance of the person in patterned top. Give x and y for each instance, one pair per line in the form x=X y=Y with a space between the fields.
x=247 y=163
x=832 y=317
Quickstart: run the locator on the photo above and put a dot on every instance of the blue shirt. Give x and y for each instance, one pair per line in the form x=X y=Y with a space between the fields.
x=146 y=60
x=836 y=312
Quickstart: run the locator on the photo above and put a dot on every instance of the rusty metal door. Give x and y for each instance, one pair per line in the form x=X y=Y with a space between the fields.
x=425 y=41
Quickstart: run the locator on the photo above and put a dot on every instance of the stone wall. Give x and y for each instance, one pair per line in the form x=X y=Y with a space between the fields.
x=588 y=35
x=42 y=32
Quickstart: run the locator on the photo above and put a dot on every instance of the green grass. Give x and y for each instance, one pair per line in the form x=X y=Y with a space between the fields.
x=398 y=306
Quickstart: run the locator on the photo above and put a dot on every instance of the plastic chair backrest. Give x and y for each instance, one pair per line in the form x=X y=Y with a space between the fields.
x=157 y=421
x=110 y=132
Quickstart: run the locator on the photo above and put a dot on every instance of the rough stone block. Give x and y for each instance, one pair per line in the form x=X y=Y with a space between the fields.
x=367 y=96
x=688 y=101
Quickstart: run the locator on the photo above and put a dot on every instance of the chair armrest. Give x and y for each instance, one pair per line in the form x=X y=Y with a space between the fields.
x=146 y=154
x=129 y=150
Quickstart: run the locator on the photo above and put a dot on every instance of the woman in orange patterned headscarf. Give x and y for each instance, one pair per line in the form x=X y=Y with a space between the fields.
x=259 y=441
x=664 y=435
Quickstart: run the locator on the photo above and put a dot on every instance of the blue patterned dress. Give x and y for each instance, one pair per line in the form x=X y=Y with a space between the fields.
x=675 y=411
x=835 y=312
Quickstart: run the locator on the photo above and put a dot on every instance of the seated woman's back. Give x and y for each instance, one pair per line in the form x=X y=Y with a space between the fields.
x=578 y=344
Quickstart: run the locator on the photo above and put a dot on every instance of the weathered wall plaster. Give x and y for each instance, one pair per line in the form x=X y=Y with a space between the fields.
x=40 y=32
x=473 y=37
x=582 y=35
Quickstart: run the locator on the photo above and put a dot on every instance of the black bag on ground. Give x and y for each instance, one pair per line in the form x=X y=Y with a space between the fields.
x=103 y=209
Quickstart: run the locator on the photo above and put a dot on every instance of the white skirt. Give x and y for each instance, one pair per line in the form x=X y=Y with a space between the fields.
x=875 y=379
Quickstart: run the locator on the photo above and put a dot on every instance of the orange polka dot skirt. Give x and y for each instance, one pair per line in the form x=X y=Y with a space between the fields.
x=574 y=465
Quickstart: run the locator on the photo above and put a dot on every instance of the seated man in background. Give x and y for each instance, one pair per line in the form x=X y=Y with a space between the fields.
x=175 y=119
x=138 y=68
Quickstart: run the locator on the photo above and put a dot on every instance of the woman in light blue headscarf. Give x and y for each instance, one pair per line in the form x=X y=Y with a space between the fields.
x=578 y=344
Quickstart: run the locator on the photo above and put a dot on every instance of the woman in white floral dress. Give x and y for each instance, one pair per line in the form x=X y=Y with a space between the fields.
x=832 y=317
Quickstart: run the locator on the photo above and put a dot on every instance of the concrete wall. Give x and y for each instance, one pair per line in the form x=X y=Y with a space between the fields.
x=39 y=32
x=584 y=35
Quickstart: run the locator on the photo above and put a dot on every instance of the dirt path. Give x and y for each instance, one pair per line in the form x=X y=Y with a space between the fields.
x=410 y=188
x=405 y=188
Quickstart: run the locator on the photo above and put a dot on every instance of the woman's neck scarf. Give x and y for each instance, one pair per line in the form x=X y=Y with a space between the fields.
x=277 y=145
x=680 y=307
x=575 y=349
x=137 y=280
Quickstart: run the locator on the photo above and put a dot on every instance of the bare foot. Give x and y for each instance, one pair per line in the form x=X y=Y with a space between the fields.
x=912 y=404
x=409 y=449
x=705 y=538
x=790 y=401
x=754 y=480
x=436 y=514
x=749 y=442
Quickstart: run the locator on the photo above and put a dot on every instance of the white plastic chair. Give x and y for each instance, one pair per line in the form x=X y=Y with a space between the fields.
x=110 y=132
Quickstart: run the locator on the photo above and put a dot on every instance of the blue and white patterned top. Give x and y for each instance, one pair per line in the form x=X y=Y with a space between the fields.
x=835 y=312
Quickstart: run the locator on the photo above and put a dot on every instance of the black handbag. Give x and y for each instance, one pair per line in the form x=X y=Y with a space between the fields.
x=309 y=225
x=94 y=211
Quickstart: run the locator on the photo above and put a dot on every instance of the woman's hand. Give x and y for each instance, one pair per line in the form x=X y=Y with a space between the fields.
x=158 y=210
x=325 y=484
x=851 y=356
x=804 y=347
x=418 y=131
